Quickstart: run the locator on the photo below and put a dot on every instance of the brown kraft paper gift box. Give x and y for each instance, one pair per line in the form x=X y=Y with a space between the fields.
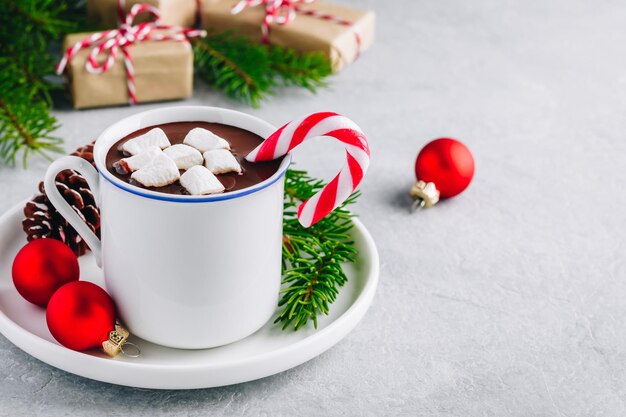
x=173 y=12
x=304 y=34
x=163 y=71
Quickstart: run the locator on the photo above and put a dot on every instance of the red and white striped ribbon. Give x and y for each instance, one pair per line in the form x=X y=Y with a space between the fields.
x=324 y=124
x=112 y=41
x=121 y=11
x=282 y=12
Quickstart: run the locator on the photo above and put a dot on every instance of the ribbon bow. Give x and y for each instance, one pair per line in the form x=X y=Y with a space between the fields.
x=115 y=40
x=121 y=11
x=282 y=12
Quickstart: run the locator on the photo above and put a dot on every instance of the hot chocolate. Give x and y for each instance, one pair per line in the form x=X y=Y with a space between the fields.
x=239 y=143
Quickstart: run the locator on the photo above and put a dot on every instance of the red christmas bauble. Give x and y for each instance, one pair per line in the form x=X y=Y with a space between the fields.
x=41 y=267
x=80 y=315
x=448 y=164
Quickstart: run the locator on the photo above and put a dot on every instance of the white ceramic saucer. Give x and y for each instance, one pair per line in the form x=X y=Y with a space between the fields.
x=267 y=352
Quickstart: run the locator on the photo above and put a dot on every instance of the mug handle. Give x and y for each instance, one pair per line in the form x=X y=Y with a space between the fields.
x=93 y=180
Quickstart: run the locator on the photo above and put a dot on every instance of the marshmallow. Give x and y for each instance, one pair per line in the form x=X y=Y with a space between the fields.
x=154 y=137
x=133 y=163
x=160 y=172
x=199 y=180
x=221 y=161
x=205 y=140
x=184 y=156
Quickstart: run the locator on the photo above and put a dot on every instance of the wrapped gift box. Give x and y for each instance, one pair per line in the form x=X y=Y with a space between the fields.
x=341 y=43
x=163 y=71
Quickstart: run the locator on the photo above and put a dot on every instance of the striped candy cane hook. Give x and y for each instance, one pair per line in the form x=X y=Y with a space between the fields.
x=325 y=124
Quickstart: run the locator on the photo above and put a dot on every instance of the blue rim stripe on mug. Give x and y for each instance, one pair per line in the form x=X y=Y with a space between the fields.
x=193 y=113
x=201 y=199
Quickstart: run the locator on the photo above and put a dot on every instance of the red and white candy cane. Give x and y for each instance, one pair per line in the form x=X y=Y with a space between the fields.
x=112 y=41
x=282 y=12
x=325 y=124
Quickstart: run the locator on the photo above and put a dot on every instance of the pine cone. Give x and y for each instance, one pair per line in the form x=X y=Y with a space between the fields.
x=42 y=219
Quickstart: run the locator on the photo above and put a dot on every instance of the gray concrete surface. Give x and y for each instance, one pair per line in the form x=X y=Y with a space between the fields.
x=506 y=301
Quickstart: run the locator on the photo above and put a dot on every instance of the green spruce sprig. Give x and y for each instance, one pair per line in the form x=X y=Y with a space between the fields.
x=248 y=71
x=26 y=125
x=300 y=70
x=313 y=257
x=234 y=65
x=26 y=29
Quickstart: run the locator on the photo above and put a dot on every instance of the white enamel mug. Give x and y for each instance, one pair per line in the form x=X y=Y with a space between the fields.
x=186 y=272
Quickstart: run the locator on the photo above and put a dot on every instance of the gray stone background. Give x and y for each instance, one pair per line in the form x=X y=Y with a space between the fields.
x=508 y=300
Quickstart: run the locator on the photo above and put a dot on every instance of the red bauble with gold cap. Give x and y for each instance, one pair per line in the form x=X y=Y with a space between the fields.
x=443 y=168
x=81 y=316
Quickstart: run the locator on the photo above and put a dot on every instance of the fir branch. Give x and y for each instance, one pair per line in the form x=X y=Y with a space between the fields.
x=302 y=70
x=25 y=123
x=27 y=29
x=40 y=17
x=26 y=127
x=313 y=258
x=234 y=65
x=33 y=68
x=248 y=71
